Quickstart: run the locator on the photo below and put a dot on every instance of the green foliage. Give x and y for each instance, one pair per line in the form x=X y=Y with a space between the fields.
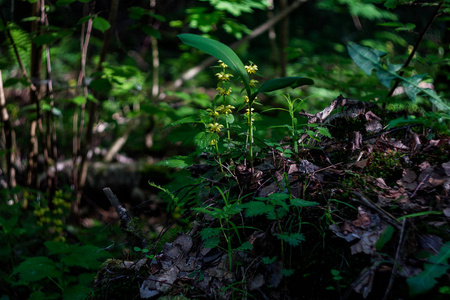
x=385 y=237
x=436 y=266
x=220 y=51
x=368 y=59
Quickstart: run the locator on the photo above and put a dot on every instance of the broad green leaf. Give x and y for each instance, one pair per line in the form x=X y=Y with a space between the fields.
x=176 y=162
x=219 y=51
x=101 y=24
x=231 y=209
x=386 y=77
x=151 y=31
x=411 y=86
x=246 y=246
x=293 y=239
x=79 y=100
x=207 y=233
x=324 y=131
x=278 y=196
x=88 y=257
x=212 y=242
x=437 y=267
x=368 y=59
x=364 y=57
x=256 y=208
x=303 y=203
x=85 y=19
x=390 y=4
x=279 y=83
x=36 y=268
x=57 y=247
x=204 y=139
x=385 y=237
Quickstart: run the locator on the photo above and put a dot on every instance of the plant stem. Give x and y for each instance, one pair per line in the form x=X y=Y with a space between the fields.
x=218 y=156
x=250 y=129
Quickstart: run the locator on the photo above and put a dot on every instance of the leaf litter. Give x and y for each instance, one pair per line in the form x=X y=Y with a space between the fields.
x=385 y=196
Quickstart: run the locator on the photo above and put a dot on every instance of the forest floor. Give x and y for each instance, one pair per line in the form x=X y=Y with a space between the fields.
x=365 y=216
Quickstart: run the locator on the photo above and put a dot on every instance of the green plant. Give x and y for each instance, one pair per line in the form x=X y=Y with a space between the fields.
x=275 y=207
x=229 y=57
x=227 y=228
x=294 y=132
x=436 y=267
x=67 y=271
x=368 y=59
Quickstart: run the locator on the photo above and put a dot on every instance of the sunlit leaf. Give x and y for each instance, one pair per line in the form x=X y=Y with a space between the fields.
x=219 y=51
x=176 y=162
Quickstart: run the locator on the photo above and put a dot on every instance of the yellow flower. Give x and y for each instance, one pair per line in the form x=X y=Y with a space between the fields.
x=225 y=109
x=246 y=100
x=212 y=113
x=214 y=128
x=223 y=91
x=252 y=68
x=224 y=76
x=222 y=64
x=253 y=82
x=213 y=142
x=248 y=112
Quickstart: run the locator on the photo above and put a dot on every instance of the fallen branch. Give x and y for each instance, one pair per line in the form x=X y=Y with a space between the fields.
x=133 y=234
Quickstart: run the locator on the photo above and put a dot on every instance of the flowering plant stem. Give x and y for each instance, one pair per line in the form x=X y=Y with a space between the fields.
x=250 y=134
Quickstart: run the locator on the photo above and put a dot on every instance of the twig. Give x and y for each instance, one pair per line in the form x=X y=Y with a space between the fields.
x=413 y=52
x=418 y=186
x=383 y=214
x=401 y=243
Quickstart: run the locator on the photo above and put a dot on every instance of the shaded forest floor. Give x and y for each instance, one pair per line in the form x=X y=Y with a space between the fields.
x=363 y=214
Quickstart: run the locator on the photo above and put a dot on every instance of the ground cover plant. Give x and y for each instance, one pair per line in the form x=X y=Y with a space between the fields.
x=305 y=165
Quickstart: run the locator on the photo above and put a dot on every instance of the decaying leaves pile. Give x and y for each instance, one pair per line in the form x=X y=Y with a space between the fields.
x=387 y=223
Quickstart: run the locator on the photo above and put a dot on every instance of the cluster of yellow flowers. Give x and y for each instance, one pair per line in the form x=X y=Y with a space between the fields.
x=224 y=90
x=53 y=218
x=252 y=68
x=224 y=76
x=214 y=128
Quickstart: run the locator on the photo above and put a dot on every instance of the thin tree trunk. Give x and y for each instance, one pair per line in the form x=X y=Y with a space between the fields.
x=36 y=74
x=155 y=58
x=78 y=128
x=93 y=109
x=8 y=133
